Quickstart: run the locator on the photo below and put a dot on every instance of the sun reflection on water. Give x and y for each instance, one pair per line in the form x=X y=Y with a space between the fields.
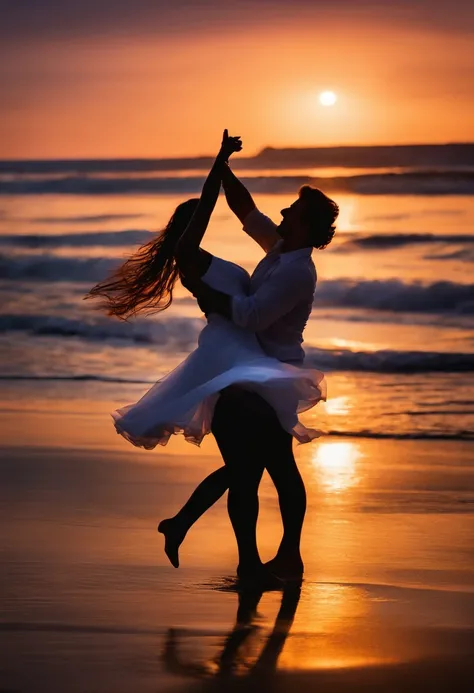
x=330 y=631
x=336 y=465
x=337 y=406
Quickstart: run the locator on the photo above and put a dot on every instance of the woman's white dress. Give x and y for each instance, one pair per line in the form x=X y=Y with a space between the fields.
x=184 y=401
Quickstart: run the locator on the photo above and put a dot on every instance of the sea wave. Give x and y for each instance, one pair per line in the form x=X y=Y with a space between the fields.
x=390 y=241
x=389 y=361
x=396 y=296
x=460 y=434
x=77 y=240
x=348 y=241
x=391 y=295
x=422 y=182
x=49 y=268
x=173 y=333
x=181 y=334
x=418 y=435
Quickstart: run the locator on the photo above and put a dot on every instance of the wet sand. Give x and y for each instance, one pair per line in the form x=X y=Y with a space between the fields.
x=91 y=604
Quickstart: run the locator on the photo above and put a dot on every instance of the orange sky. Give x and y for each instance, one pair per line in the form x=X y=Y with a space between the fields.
x=147 y=94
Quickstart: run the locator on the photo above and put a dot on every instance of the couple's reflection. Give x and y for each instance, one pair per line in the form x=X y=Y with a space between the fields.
x=237 y=657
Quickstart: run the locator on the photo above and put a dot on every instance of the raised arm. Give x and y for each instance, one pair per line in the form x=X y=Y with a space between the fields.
x=238 y=197
x=257 y=225
x=188 y=247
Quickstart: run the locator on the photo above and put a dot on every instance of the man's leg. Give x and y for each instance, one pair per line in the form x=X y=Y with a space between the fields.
x=237 y=435
x=203 y=497
x=284 y=473
x=272 y=446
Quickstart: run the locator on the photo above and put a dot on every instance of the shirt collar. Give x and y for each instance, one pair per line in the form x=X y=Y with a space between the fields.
x=292 y=254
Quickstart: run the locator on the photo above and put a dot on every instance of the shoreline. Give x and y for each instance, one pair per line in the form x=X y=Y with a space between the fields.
x=91 y=603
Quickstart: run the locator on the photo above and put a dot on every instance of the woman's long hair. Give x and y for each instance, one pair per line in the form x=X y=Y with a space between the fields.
x=144 y=283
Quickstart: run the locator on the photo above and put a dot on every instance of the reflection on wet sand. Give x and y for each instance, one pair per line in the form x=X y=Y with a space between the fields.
x=325 y=637
x=243 y=654
x=335 y=464
x=387 y=602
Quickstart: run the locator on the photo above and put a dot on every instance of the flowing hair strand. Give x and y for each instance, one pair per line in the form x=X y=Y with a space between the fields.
x=144 y=283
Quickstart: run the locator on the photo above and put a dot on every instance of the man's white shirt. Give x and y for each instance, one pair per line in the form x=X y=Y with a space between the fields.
x=281 y=293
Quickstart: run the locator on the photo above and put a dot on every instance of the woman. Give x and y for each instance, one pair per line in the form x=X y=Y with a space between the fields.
x=184 y=401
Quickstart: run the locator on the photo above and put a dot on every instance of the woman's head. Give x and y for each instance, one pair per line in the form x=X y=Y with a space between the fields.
x=145 y=282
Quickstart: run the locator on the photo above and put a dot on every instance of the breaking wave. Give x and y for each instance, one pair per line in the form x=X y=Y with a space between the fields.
x=77 y=240
x=401 y=240
x=181 y=334
x=395 y=295
x=391 y=295
x=173 y=333
x=390 y=361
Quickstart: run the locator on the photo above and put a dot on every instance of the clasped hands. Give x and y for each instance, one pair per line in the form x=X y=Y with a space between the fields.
x=229 y=145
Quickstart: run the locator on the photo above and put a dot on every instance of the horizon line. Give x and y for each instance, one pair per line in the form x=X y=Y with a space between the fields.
x=264 y=149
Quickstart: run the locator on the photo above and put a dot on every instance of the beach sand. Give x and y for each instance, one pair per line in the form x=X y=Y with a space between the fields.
x=91 y=604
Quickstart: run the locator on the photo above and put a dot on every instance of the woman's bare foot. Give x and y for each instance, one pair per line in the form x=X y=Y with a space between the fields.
x=289 y=568
x=174 y=537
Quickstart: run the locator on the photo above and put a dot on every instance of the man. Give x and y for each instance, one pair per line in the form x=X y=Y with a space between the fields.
x=246 y=428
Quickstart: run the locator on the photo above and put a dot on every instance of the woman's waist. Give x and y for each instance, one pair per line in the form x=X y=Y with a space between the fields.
x=284 y=348
x=217 y=325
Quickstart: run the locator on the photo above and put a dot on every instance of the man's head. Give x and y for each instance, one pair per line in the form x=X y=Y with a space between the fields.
x=309 y=221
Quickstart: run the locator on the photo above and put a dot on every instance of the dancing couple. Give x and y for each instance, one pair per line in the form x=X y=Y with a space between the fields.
x=245 y=382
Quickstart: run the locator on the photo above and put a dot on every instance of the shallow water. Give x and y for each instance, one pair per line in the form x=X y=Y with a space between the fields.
x=90 y=603
x=392 y=324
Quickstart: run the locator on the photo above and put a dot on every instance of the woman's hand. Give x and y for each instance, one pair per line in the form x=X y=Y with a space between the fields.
x=229 y=145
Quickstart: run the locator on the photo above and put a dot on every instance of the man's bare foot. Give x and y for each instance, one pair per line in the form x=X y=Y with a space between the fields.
x=287 y=568
x=173 y=540
x=258 y=578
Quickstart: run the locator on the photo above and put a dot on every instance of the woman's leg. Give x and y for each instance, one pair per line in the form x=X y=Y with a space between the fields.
x=203 y=497
x=250 y=438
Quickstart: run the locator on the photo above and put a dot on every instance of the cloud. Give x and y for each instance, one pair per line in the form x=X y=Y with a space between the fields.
x=49 y=19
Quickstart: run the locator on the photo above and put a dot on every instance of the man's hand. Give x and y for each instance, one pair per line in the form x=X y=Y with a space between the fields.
x=204 y=299
x=209 y=300
x=192 y=283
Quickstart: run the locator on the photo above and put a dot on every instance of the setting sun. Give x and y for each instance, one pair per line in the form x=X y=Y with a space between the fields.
x=327 y=98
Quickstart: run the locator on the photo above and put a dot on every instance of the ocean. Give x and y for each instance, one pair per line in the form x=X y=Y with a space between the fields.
x=393 y=319
x=91 y=603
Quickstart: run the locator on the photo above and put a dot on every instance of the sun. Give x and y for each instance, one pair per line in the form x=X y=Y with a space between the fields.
x=327 y=98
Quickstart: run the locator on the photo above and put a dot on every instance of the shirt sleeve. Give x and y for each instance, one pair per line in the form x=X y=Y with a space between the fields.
x=262 y=229
x=284 y=289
